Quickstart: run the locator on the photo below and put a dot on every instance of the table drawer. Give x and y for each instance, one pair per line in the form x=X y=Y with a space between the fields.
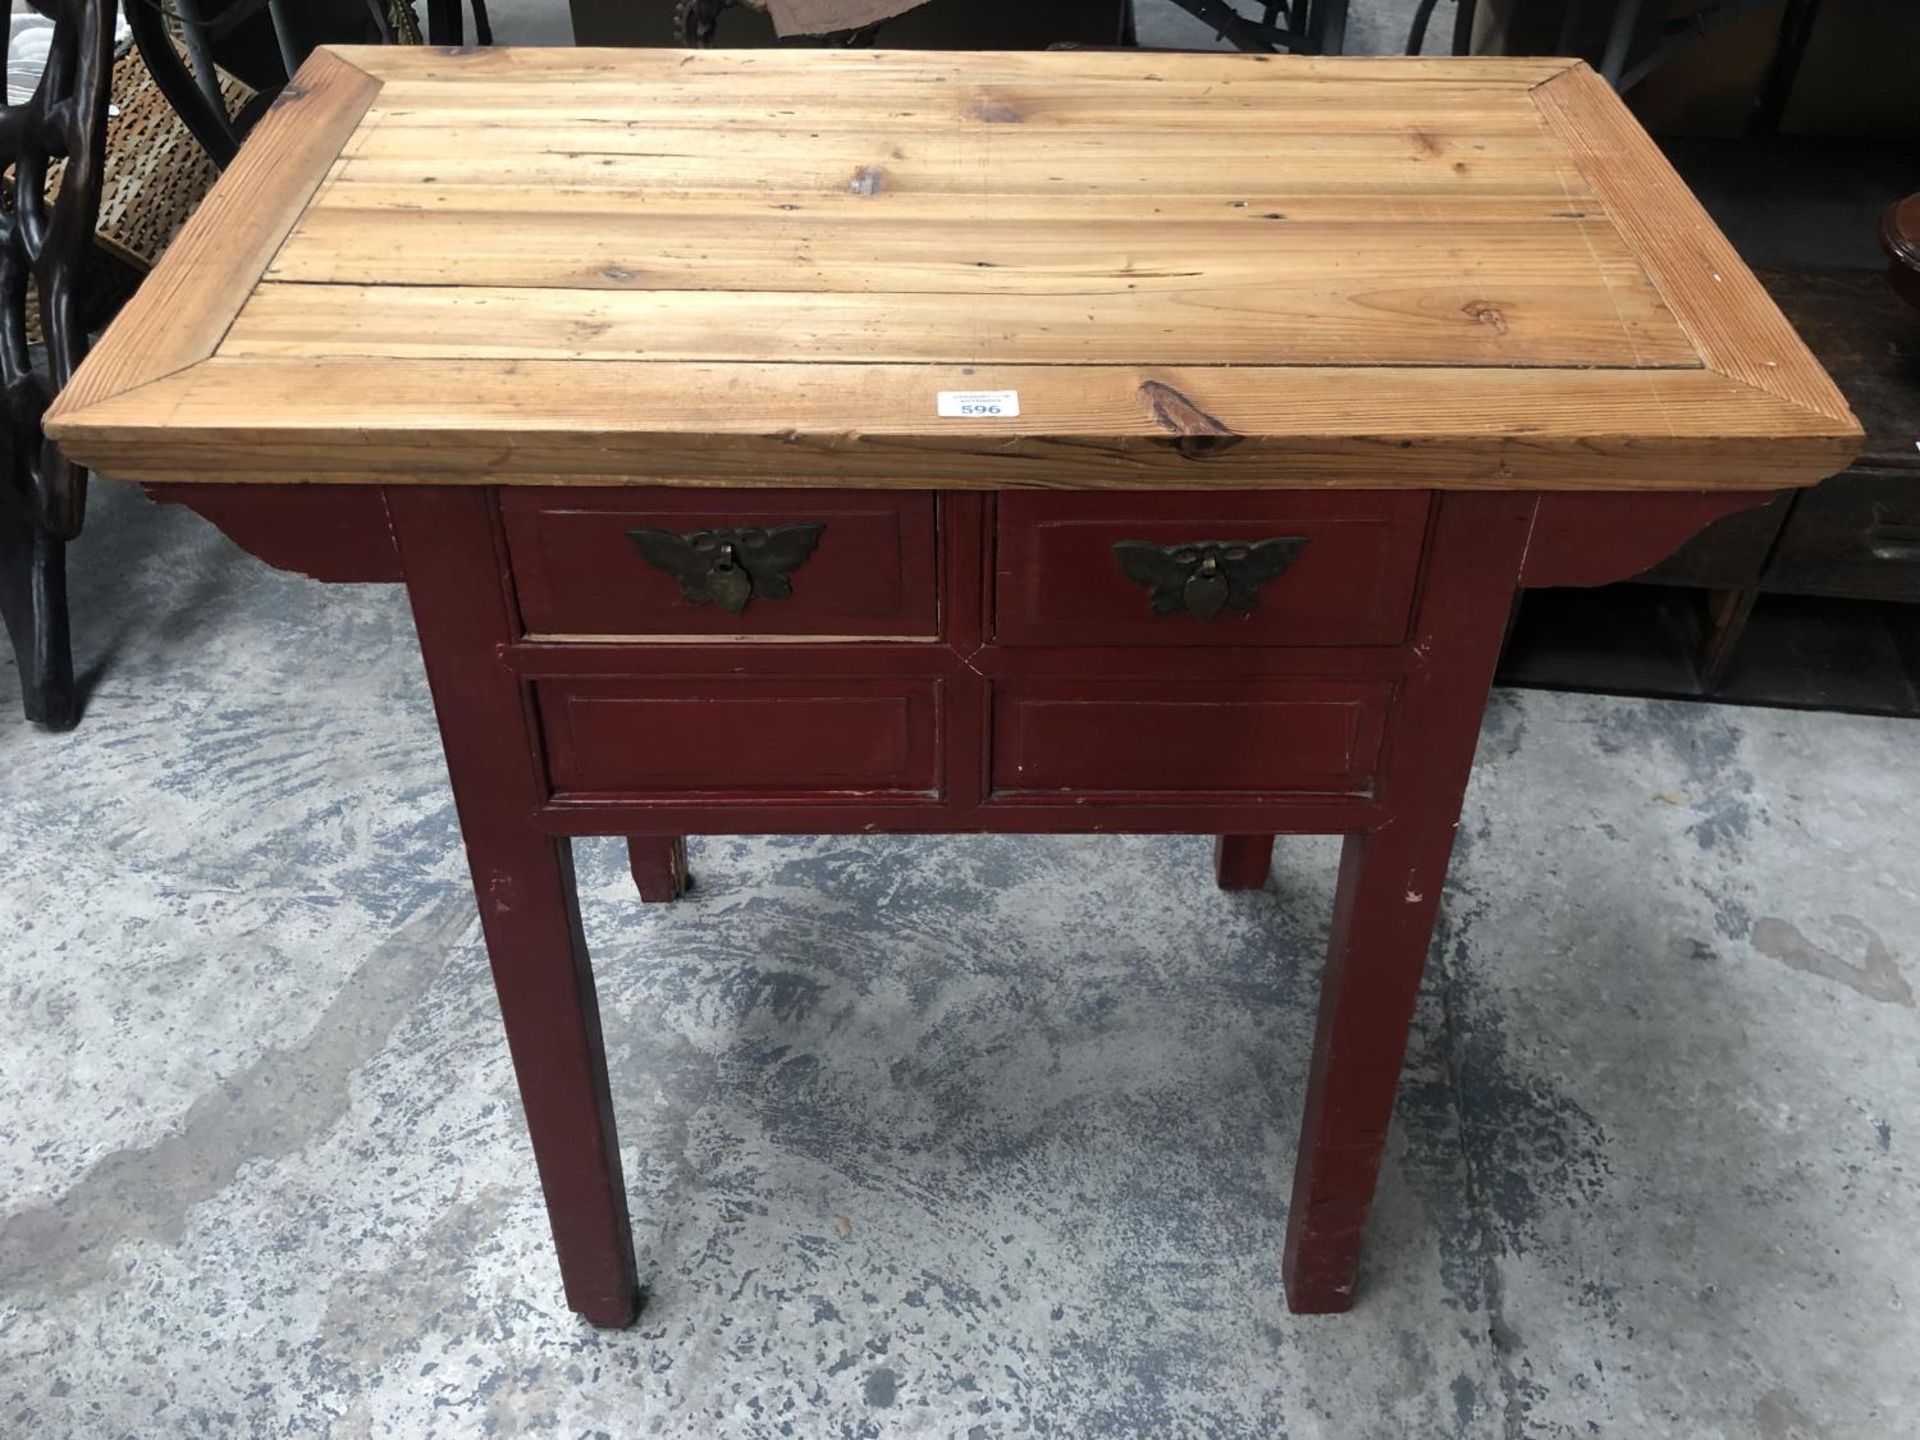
x=1857 y=535
x=1214 y=568
x=867 y=571
x=1264 y=736
x=726 y=735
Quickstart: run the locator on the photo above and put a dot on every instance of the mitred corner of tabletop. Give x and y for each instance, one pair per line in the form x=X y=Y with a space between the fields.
x=182 y=310
x=1734 y=325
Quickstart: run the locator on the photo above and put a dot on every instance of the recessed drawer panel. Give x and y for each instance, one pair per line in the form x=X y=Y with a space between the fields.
x=1211 y=568
x=721 y=735
x=1857 y=535
x=1264 y=736
x=657 y=561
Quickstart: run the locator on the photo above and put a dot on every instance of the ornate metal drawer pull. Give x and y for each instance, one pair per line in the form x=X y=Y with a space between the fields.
x=730 y=566
x=1203 y=577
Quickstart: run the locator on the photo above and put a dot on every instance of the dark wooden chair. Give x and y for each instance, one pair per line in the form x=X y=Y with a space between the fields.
x=45 y=241
x=53 y=148
x=445 y=25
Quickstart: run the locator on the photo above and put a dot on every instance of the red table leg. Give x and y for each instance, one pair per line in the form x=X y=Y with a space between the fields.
x=1481 y=546
x=523 y=878
x=1241 y=862
x=659 y=864
x=1389 y=893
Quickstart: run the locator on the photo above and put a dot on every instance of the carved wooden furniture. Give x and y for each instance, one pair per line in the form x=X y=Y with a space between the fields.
x=929 y=25
x=861 y=441
x=45 y=242
x=144 y=163
x=1302 y=27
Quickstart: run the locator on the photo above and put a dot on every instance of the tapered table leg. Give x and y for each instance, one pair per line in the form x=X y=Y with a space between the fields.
x=1241 y=862
x=1381 y=931
x=659 y=864
x=1389 y=892
x=523 y=878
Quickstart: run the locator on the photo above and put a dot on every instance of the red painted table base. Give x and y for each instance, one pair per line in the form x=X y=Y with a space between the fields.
x=447 y=544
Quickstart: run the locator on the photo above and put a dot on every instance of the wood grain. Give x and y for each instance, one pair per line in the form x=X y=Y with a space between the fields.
x=924 y=67
x=872 y=169
x=752 y=101
x=1104 y=319
x=559 y=246
x=551 y=421
x=759 y=267
x=594 y=204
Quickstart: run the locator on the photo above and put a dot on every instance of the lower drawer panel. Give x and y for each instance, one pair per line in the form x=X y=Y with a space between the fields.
x=1252 y=736
x=725 y=736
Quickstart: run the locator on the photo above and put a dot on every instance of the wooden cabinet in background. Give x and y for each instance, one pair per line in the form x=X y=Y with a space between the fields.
x=1731 y=620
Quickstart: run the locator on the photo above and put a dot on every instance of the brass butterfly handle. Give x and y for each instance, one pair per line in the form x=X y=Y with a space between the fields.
x=733 y=565
x=1204 y=577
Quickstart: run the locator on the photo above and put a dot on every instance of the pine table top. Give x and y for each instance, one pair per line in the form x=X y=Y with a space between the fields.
x=767 y=266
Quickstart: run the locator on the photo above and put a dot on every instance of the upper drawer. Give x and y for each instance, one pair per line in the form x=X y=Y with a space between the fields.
x=1212 y=568
x=866 y=570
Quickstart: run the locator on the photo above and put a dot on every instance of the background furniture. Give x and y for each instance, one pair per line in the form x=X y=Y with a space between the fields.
x=1812 y=602
x=938 y=24
x=1465 y=13
x=1304 y=27
x=1301 y=26
x=1735 y=67
x=1854 y=537
x=45 y=243
x=215 y=106
x=98 y=188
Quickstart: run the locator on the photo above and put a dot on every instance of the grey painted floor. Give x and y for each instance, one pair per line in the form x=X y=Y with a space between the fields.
x=939 y=1137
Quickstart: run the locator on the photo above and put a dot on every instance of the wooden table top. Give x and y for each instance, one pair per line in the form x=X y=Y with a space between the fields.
x=765 y=267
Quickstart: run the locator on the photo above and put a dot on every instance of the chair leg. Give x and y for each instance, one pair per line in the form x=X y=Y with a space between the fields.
x=33 y=600
x=445 y=24
x=1241 y=862
x=659 y=866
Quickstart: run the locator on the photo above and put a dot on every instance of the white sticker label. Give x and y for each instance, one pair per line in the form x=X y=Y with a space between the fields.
x=968 y=404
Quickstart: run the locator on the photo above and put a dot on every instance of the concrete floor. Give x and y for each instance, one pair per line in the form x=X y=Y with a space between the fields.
x=937 y=1137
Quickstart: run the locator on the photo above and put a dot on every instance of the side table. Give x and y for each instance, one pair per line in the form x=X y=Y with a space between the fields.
x=869 y=441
